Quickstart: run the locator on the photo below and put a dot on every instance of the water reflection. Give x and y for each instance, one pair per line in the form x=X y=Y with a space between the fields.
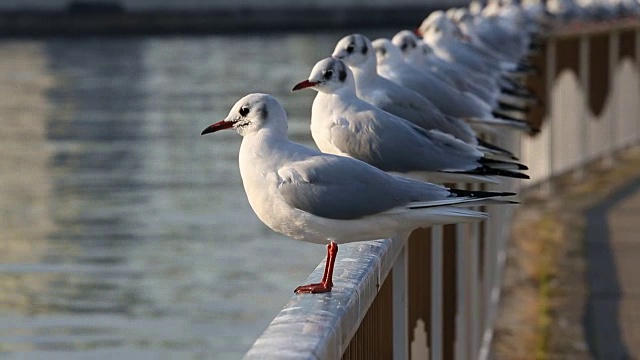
x=124 y=233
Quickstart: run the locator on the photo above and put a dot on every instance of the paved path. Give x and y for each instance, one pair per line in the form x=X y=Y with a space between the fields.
x=612 y=318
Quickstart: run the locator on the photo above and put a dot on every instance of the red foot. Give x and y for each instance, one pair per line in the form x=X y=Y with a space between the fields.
x=313 y=288
x=326 y=284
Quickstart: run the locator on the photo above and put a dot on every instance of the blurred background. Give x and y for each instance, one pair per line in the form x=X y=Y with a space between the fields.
x=123 y=233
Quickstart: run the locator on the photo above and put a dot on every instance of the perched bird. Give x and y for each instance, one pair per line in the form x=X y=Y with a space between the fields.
x=448 y=99
x=343 y=124
x=357 y=52
x=328 y=199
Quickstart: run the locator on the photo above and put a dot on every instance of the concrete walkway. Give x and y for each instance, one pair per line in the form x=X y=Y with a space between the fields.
x=612 y=315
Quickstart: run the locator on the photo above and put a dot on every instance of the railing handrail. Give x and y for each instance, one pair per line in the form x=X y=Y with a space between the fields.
x=323 y=325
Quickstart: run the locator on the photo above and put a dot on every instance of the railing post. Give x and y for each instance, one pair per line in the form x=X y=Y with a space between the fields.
x=551 y=70
x=474 y=286
x=400 y=306
x=463 y=299
x=614 y=43
x=449 y=290
x=419 y=289
x=584 y=110
x=436 y=292
x=637 y=137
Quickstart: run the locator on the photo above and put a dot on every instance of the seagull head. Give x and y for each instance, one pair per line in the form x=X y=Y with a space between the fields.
x=356 y=51
x=386 y=52
x=252 y=113
x=438 y=27
x=328 y=76
x=412 y=47
x=406 y=41
x=428 y=22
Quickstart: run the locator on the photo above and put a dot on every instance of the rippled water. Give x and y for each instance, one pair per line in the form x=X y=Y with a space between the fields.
x=123 y=233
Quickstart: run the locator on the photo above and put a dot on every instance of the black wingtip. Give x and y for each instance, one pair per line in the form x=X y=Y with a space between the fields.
x=493 y=162
x=488 y=171
x=496 y=148
x=479 y=194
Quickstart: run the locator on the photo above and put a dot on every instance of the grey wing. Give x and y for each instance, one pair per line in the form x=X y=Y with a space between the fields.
x=416 y=109
x=391 y=143
x=337 y=187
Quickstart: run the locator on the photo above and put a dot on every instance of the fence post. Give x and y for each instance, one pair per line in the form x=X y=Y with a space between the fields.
x=614 y=43
x=449 y=290
x=637 y=139
x=436 y=292
x=551 y=70
x=400 y=306
x=463 y=299
x=419 y=290
x=584 y=110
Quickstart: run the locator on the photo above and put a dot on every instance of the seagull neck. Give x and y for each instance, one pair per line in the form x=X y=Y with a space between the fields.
x=365 y=73
x=368 y=66
x=344 y=93
x=258 y=147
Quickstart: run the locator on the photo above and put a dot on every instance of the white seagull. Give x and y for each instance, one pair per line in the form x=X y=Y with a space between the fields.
x=328 y=199
x=357 y=52
x=343 y=124
x=450 y=100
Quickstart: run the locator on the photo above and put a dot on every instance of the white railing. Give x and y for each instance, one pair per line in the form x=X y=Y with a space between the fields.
x=434 y=293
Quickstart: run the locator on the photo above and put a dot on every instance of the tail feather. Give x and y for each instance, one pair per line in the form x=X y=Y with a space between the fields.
x=503 y=105
x=486 y=170
x=495 y=149
x=459 y=197
x=503 y=121
x=500 y=164
x=478 y=194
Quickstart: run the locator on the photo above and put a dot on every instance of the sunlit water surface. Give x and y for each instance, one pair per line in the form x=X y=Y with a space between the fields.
x=123 y=233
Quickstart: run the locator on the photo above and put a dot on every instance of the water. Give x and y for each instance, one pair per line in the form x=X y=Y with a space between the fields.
x=124 y=234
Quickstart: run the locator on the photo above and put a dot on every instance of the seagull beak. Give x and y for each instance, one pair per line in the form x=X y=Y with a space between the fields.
x=417 y=31
x=220 y=125
x=303 y=85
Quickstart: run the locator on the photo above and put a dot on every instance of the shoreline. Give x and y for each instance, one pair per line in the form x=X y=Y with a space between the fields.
x=34 y=23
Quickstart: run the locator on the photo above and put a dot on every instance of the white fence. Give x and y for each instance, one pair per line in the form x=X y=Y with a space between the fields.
x=434 y=293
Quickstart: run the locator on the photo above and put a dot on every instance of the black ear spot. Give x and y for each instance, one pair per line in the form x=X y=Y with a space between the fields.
x=343 y=75
x=364 y=49
x=264 y=112
x=382 y=51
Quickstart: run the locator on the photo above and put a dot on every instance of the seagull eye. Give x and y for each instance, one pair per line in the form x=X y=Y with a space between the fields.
x=328 y=74
x=351 y=47
x=244 y=111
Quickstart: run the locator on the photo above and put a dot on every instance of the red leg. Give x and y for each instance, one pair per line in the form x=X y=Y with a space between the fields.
x=326 y=284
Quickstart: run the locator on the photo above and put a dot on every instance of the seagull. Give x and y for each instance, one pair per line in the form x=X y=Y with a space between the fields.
x=356 y=51
x=417 y=53
x=328 y=199
x=391 y=65
x=449 y=100
x=445 y=38
x=343 y=124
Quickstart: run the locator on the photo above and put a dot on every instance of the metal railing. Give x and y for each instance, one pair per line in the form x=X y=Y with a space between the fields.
x=434 y=293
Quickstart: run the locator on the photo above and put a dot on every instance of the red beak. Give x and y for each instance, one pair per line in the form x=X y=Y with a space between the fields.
x=303 y=85
x=220 y=125
x=417 y=32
